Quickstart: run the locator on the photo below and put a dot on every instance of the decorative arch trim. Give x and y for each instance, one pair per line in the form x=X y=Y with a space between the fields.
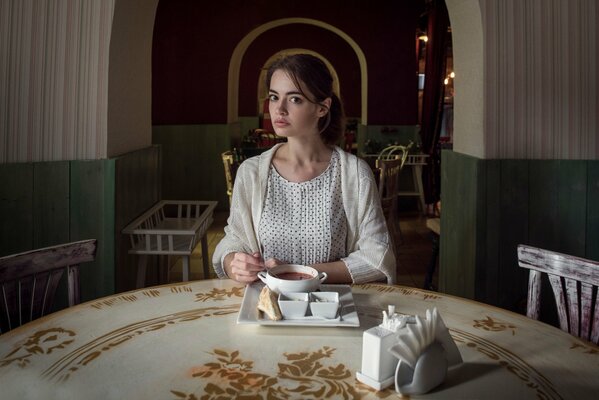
x=240 y=49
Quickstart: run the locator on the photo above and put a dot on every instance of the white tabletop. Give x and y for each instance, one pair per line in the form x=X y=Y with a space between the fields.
x=182 y=341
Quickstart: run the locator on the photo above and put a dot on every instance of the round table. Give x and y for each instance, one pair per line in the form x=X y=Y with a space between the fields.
x=182 y=341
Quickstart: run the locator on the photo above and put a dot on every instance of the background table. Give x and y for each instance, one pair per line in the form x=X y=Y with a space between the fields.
x=181 y=341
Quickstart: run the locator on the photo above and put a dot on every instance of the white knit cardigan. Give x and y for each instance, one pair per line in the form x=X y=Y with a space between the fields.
x=368 y=241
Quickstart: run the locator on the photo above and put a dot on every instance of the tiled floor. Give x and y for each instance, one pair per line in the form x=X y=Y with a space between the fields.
x=412 y=260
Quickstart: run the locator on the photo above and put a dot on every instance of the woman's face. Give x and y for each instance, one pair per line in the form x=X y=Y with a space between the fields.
x=292 y=114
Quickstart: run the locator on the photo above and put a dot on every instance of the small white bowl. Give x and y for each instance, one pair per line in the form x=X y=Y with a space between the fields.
x=293 y=305
x=324 y=304
x=292 y=278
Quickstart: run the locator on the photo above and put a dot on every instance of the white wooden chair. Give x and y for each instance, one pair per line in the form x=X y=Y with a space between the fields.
x=171 y=228
x=28 y=280
x=574 y=282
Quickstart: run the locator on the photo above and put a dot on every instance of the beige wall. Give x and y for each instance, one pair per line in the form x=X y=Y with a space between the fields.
x=130 y=77
x=535 y=96
x=468 y=63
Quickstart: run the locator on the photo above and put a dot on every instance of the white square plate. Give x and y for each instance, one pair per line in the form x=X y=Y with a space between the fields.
x=348 y=315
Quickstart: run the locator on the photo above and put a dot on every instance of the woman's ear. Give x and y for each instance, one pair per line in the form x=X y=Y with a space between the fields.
x=324 y=107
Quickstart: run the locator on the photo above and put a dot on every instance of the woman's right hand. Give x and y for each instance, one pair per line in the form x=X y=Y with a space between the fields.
x=243 y=267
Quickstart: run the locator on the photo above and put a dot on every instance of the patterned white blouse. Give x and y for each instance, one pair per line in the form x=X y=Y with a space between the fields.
x=304 y=223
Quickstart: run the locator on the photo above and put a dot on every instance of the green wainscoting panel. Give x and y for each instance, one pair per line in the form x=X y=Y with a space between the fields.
x=572 y=206
x=192 y=163
x=513 y=230
x=92 y=213
x=491 y=206
x=461 y=194
x=543 y=226
x=50 y=203
x=137 y=182
x=592 y=229
x=244 y=125
x=488 y=267
x=16 y=203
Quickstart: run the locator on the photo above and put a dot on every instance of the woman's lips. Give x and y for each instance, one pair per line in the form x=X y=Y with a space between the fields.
x=281 y=122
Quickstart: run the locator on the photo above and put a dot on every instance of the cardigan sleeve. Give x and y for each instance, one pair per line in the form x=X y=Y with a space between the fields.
x=372 y=257
x=239 y=231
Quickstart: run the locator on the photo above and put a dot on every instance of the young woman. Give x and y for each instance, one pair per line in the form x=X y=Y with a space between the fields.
x=305 y=201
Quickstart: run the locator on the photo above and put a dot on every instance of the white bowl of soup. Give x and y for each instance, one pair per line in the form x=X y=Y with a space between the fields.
x=292 y=278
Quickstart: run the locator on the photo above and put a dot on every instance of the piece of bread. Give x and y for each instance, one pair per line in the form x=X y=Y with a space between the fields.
x=267 y=303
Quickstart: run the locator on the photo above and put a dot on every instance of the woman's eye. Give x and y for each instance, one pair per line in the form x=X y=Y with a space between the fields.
x=296 y=100
x=273 y=97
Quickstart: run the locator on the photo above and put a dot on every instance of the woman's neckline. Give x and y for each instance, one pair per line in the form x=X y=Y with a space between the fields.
x=320 y=175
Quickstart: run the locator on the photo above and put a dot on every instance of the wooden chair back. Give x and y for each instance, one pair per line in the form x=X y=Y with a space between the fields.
x=28 y=280
x=395 y=152
x=228 y=162
x=574 y=282
x=388 y=191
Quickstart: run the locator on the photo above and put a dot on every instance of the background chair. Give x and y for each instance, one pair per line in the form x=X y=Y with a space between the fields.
x=574 y=282
x=389 y=186
x=228 y=163
x=396 y=152
x=388 y=189
x=28 y=281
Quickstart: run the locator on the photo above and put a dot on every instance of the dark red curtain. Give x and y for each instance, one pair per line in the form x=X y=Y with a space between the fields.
x=432 y=100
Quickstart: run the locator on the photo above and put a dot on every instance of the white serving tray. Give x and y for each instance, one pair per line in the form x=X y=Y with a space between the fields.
x=348 y=315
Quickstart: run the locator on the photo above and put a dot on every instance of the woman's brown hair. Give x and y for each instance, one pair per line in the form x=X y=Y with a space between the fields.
x=310 y=73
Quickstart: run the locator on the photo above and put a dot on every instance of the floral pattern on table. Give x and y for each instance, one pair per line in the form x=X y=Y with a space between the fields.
x=221 y=294
x=300 y=375
x=40 y=343
x=493 y=325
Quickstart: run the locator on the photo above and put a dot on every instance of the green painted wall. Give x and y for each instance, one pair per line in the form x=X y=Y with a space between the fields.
x=16 y=208
x=48 y=203
x=92 y=216
x=491 y=206
x=138 y=179
x=192 y=167
x=459 y=238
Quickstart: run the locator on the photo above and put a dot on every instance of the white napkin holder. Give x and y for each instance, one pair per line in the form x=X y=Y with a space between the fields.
x=425 y=351
x=414 y=357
